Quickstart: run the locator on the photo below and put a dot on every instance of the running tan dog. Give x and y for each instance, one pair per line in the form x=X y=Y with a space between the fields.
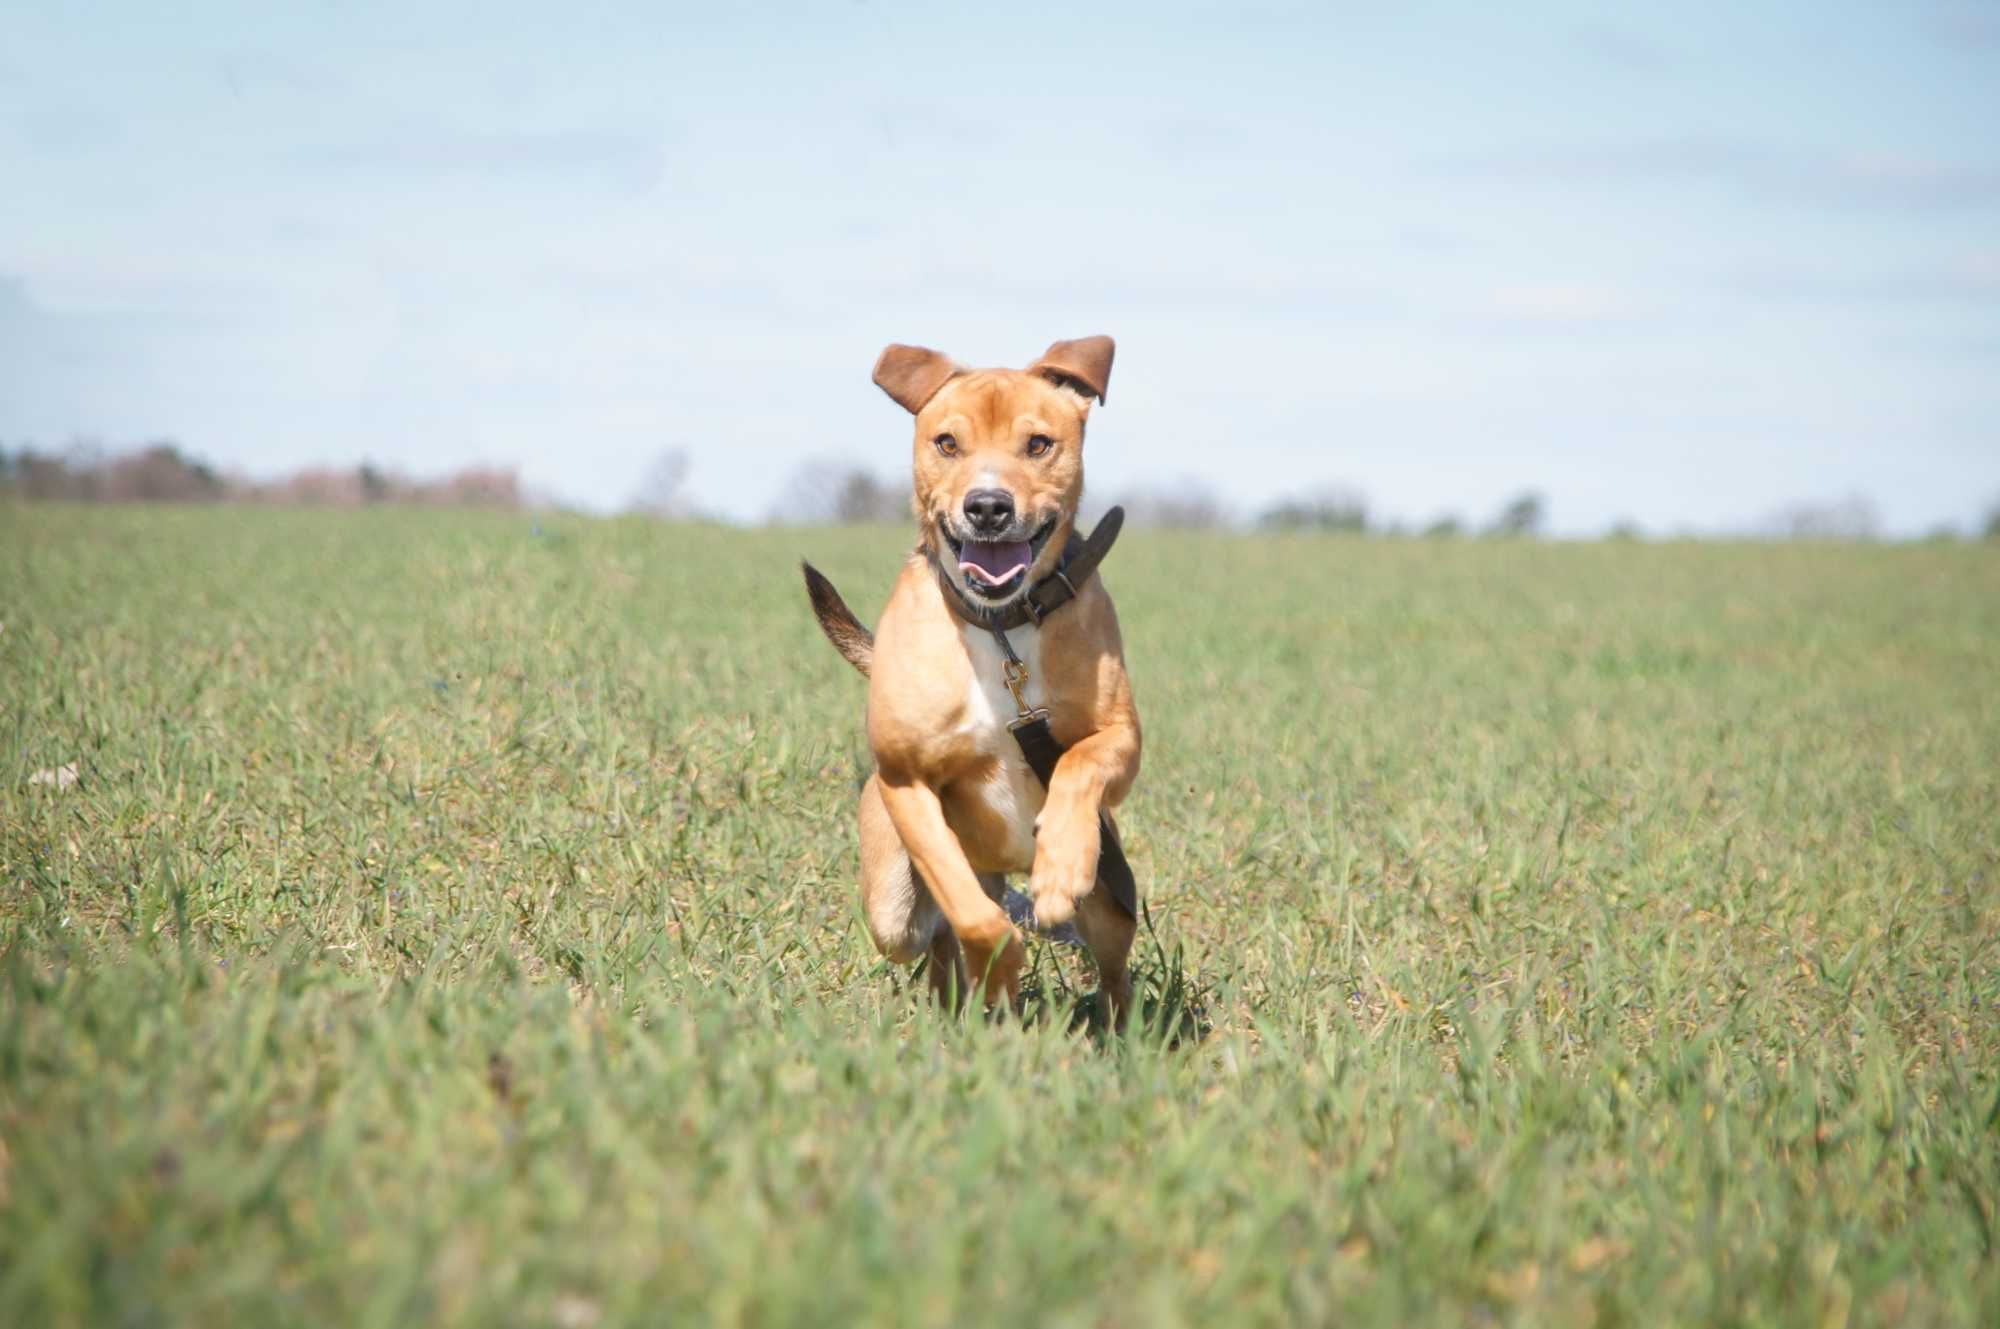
x=996 y=615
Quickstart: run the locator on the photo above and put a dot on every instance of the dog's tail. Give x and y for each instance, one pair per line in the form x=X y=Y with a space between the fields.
x=855 y=643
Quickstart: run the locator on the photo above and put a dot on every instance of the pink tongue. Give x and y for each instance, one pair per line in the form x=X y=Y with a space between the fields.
x=993 y=563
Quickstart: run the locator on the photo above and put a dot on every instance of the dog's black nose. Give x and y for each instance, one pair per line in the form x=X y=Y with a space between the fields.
x=989 y=510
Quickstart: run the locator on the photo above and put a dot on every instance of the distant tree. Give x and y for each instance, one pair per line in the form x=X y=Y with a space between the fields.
x=1852 y=518
x=46 y=476
x=1521 y=517
x=1187 y=504
x=863 y=497
x=157 y=473
x=1992 y=528
x=1446 y=527
x=376 y=485
x=663 y=488
x=831 y=491
x=1335 y=508
x=475 y=487
x=1624 y=529
x=42 y=476
x=315 y=487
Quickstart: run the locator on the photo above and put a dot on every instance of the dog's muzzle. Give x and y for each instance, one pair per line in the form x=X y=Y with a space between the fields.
x=993 y=567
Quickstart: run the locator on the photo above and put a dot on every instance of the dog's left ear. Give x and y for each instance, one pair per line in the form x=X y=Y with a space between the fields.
x=1083 y=366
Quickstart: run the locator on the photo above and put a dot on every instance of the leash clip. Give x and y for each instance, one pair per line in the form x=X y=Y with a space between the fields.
x=1016 y=675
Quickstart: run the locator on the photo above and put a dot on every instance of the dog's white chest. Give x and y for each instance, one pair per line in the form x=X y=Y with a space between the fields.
x=1013 y=793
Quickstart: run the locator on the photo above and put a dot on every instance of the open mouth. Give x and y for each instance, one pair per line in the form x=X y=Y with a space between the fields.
x=996 y=569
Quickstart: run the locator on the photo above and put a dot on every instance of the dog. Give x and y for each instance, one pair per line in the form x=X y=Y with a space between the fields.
x=953 y=804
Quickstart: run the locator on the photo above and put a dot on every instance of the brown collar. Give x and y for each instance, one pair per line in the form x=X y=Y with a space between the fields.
x=1080 y=557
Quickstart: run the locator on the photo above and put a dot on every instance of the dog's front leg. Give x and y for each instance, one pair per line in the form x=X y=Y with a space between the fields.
x=1066 y=842
x=993 y=949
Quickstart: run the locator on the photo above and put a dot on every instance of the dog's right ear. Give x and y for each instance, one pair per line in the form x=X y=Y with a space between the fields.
x=912 y=375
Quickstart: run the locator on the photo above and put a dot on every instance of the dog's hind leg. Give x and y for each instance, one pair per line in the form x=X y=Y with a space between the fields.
x=946 y=970
x=947 y=963
x=903 y=920
x=1108 y=931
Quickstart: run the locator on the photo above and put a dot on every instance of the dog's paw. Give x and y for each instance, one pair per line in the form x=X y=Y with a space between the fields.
x=1052 y=910
x=1063 y=875
x=996 y=965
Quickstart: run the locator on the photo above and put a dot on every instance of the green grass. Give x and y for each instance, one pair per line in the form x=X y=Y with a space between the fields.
x=455 y=920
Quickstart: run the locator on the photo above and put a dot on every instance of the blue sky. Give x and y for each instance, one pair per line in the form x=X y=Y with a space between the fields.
x=1683 y=265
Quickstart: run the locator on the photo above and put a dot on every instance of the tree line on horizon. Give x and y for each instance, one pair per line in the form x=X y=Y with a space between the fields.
x=822 y=491
x=831 y=492
x=161 y=472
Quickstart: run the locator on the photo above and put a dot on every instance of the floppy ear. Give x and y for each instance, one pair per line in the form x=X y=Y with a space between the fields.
x=1083 y=365
x=912 y=375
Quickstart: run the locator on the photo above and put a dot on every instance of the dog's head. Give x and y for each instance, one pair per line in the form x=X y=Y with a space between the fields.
x=998 y=458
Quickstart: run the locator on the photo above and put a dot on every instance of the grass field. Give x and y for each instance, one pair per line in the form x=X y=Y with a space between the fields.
x=454 y=920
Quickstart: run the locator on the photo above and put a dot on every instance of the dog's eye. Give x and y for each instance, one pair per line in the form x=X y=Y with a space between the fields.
x=1039 y=444
x=946 y=445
